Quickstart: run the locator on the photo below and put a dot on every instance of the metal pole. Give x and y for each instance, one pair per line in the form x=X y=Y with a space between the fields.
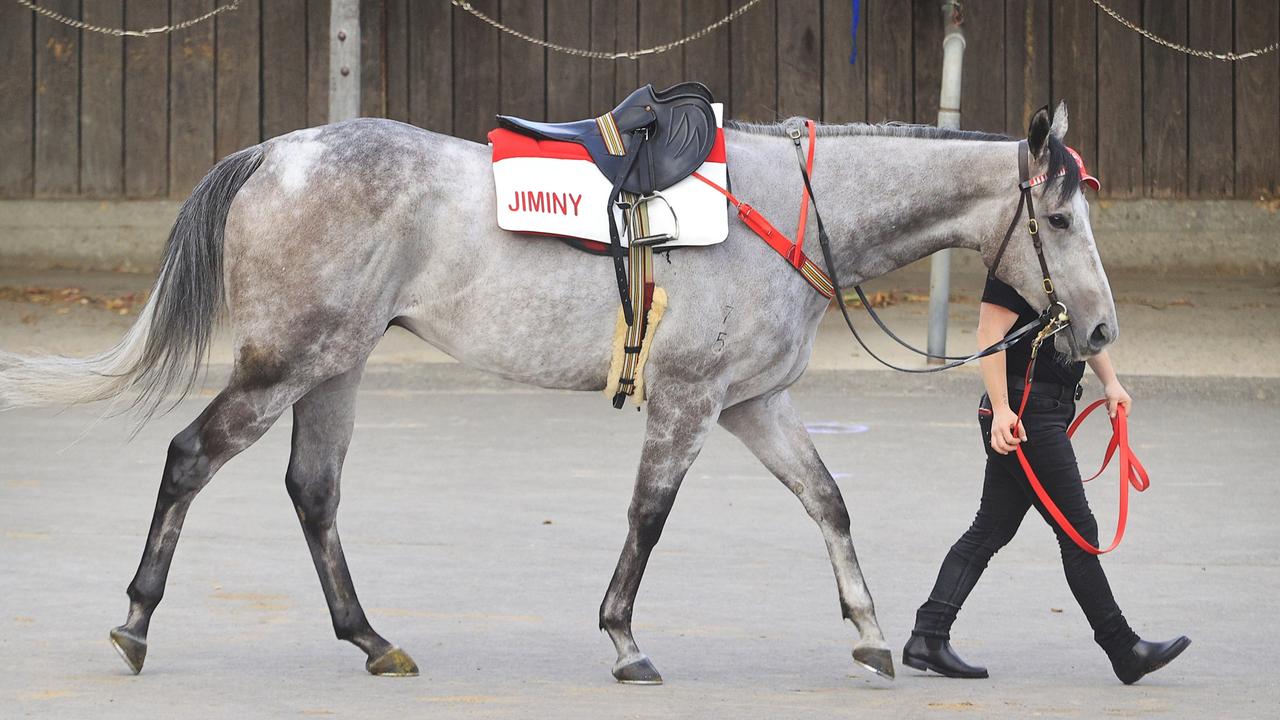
x=948 y=117
x=344 y=60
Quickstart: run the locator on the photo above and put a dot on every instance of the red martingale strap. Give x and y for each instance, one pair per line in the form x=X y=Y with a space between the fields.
x=773 y=237
x=1132 y=473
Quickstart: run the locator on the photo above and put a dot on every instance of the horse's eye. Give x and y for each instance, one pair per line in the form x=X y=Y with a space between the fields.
x=1060 y=221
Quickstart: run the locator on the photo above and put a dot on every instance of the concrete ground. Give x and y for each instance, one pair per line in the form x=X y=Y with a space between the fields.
x=482 y=522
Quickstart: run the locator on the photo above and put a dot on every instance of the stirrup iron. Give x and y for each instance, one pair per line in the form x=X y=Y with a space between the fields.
x=633 y=221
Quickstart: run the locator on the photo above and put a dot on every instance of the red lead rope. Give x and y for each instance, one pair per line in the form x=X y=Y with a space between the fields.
x=1131 y=471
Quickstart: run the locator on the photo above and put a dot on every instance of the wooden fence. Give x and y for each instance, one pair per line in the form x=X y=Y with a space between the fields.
x=93 y=116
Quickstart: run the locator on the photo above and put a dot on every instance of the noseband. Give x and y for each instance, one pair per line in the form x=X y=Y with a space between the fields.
x=1052 y=321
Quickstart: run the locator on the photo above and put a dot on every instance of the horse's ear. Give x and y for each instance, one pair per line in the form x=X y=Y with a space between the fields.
x=1059 y=127
x=1038 y=132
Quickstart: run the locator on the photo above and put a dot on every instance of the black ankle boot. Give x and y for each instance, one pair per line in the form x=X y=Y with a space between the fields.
x=927 y=653
x=1147 y=657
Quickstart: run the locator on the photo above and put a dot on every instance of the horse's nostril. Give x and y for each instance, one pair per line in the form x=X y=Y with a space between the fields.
x=1100 y=336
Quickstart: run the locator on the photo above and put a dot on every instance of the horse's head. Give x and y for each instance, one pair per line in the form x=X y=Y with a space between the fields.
x=1072 y=257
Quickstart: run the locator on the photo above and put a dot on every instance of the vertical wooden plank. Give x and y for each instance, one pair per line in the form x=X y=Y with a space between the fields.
x=57 y=159
x=1074 y=71
x=146 y=102
x=102 y=103
x=983 y=84
x=707 y=59
x=1210 y=160
x=403 y=21
x=1119 y=160
x=1164 y=91
x=800 y=59
x=927 y=53
x=431 y=81
x=604 y=36
x=1027 y=61
x=17 y=112
x=373 y=73
x=238 y=117
x=1257 y=101
x=568 y=78
x=890 y=95
x=190 y=99
x=284 y=66
x=753 y=54
x=626 y=77
x=844 y=84
x=475 y=66
x=317 y=62
x=524 y=65
x=660 y=22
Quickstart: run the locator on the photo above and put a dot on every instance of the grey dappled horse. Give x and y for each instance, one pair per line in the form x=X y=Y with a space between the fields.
x=314 y=243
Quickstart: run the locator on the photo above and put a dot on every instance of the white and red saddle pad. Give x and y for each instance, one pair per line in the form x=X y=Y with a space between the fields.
x=549 y=187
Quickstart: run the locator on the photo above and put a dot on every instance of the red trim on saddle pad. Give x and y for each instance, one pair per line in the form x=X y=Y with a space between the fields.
x=511 y=144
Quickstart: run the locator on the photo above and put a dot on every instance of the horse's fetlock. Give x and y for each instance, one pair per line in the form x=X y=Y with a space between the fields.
x=144 y=600
x=614 y=621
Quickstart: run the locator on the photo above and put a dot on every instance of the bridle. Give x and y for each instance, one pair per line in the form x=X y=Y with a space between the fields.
x=1052 y=321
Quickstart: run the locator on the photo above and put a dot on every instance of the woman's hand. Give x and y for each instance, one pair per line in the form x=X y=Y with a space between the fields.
x=1116 y=396
x=1006 y=430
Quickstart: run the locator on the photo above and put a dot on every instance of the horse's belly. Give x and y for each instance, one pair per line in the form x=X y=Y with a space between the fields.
x=545 y=334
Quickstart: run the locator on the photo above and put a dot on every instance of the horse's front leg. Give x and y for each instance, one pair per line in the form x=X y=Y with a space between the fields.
x=771 y=429
x=678 y=421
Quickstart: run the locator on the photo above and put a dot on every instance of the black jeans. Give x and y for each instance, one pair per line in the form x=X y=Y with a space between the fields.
x=1006 y=497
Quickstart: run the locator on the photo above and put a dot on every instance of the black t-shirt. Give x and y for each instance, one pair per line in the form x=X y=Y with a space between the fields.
x=1051 y=366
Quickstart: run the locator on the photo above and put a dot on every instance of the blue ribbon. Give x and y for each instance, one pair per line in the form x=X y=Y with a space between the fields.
x=853 y=32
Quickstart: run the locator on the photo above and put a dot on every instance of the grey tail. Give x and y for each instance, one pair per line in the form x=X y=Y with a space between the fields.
x=167 y=345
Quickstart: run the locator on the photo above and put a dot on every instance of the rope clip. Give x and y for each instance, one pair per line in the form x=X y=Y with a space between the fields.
x=1056 y=324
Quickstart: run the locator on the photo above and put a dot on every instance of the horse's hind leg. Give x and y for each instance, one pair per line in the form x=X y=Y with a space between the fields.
x=771 y=429
x=236 y=418
x=322 y=423
x=678 y=421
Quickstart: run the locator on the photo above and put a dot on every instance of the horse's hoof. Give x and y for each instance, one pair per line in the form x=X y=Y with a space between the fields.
x=637 y=672
x=132 y=648
x=877 y=660
x=393 y=663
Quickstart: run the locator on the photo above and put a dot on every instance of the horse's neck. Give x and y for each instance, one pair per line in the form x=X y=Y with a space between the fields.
x=905 y=198
x=889 y=201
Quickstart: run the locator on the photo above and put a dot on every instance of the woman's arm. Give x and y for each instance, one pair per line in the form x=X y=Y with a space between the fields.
x=1111 y=387
x=994 y=322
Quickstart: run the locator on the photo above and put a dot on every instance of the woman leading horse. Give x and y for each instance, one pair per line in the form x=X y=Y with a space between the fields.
x=1042 y=434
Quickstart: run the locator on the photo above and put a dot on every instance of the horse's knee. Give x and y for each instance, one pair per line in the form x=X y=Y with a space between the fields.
x=824 y=504
x=314 y=493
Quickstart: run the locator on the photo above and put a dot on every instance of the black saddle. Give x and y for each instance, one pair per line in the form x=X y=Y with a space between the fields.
x=666 y=135
x=651 y=141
